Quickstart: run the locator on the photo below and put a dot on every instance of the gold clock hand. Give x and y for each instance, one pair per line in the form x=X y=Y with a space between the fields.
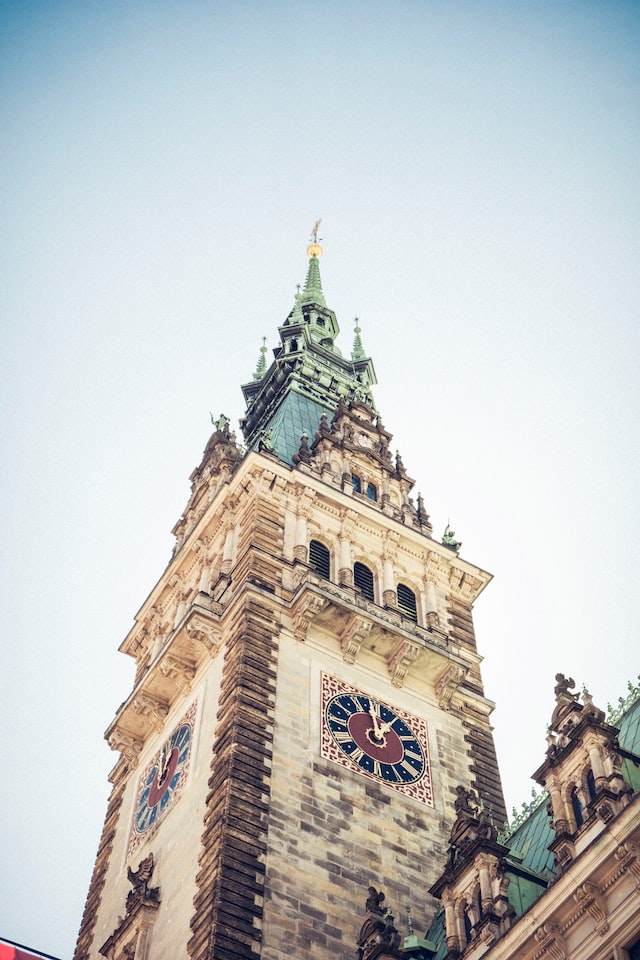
x=377 y=729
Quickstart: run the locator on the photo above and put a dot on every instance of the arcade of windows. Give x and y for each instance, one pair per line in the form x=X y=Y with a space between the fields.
x=363 y=580
x=370 y=490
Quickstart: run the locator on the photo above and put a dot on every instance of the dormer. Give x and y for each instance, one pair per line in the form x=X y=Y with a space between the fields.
x=353 y=453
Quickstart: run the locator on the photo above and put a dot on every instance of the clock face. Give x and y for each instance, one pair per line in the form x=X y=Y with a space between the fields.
x=161 y=780
x=373 y=738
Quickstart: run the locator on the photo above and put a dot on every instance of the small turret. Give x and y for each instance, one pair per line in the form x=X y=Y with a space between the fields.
x=581 y=772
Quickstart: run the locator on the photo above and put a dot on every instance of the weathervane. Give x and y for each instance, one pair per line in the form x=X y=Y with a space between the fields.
x=314 y=232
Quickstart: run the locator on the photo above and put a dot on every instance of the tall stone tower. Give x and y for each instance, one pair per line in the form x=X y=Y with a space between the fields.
x=307 y=695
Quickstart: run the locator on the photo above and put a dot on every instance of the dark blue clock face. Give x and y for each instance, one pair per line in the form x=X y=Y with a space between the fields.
x=162 y=779
x=375 y=738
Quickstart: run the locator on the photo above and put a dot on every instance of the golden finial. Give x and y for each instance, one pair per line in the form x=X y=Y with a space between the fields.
x=314 y=249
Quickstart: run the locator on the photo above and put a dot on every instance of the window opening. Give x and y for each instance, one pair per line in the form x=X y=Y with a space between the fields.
x=591 y=784
x=372 y=492
x=320 y=558
x=363 y=580
x=356 y=483
x=407 y=602
x=577 y=808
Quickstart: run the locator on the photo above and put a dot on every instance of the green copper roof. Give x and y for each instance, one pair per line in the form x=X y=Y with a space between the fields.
x=309 y=375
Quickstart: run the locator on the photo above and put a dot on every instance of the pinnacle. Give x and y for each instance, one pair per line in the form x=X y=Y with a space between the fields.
x=261 y=368
x=312 y=292
x=358 y=350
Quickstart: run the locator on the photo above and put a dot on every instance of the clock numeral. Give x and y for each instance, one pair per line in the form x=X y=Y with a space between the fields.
x=357 y=754
x=377 y=768
x=342 y=736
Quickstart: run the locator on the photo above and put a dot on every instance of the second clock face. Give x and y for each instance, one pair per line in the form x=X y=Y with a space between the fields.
x=380 y=741
x=162 y=779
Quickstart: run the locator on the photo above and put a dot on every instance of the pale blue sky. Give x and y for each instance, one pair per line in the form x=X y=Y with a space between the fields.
x=476 y=168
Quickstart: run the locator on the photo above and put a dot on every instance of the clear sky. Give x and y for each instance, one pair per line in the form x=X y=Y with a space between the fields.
x=476 y=168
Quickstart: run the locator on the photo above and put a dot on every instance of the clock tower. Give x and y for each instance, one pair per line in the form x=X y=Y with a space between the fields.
x=307 y=696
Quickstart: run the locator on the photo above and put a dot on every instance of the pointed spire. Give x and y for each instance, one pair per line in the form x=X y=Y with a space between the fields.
x=261 y=369
x=312 y=292
x=358 y=350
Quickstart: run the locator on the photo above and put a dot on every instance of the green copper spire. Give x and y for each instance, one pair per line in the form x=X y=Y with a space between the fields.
x=261 y=369
x=358 y=350
x=312 y=292
x=308 y=377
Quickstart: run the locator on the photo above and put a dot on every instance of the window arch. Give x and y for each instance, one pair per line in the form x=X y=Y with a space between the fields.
x=320 y=559
x=407 y=602
x=363 y=580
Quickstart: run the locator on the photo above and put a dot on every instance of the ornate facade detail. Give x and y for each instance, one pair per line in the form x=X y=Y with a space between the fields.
x=353 y=637
x=129 y=941
x=148 y=705
x=178 y=669
x=378 y=935
x=447 y=684
x=125 y=743
x=404 y=654
x=308 y=607
x=588 y=897
x=551 y=942
x=203 y=632
x=627 y=857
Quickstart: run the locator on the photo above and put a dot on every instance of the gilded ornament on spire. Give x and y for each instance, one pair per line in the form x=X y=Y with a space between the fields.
x=314 y=249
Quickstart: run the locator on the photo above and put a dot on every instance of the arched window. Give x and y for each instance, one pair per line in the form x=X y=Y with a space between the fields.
x=372 y=491
x=467 y=925
x=577 y=808
x=591 y=784
x=407 y=602
x=320 y=558
x=363 y=580
x=356 y=482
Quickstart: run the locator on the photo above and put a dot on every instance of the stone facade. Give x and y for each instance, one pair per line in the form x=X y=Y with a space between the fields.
x=287 y=570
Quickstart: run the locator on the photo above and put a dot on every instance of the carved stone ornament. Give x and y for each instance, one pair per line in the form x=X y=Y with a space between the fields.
x=148 y=705
x=306 y=609
x=447 y=684
x=353 y=637
x=179 y=670
x=378 y=934
x=590 y=899
x=201 y=631
x=126 y=743
x=129 y=940
x=551 y=941
x=402 y=657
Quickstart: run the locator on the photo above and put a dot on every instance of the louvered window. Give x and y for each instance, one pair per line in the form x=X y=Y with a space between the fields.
x=363 y=580
x=407 y=602
x=356 y=483
x=320 y=559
